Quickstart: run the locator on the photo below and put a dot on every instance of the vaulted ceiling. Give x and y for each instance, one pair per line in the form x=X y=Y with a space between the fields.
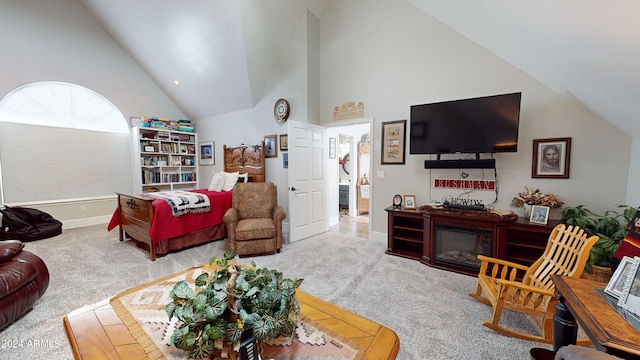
x=588 y=50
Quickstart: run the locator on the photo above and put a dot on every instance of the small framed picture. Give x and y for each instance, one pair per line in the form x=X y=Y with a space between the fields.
x=284 y=142
x=539 y=214
x=271 y=146
x=551 y=158
x=207 y=156
x=630 y=296
x=616 y=284
x=410 y=202
x=332 y=148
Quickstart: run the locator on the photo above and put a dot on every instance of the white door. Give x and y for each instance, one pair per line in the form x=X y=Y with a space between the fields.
x=307 y=180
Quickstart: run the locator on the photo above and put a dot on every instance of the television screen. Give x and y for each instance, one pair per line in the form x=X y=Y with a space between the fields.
x=486 y=124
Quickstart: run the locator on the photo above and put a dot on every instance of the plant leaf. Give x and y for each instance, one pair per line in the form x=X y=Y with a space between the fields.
x=199 y=302
x=182 y=290
x=202 y=279
x=230 y=254
x=169 y=309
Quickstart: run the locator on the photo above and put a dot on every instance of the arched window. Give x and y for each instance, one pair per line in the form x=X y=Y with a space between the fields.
x=61 y=141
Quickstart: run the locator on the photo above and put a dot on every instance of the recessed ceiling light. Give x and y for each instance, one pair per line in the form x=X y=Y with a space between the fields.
x=176 y=82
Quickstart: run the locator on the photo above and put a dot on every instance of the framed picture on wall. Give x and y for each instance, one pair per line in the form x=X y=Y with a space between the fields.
x=284 y=142
x=271 y=146
x=551 y=158
x=393 y=145
x=207 y=155
x=332 y=148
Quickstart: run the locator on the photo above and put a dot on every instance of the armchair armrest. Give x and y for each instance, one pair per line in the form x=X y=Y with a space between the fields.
x=527 y=288
x=500 y=269
x=278 y=214
x=230 y=220
x=525 y=295
x=230 y=217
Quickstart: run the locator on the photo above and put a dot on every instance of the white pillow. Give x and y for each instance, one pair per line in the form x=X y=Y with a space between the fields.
x=244 y=177
x=217 y=182
x=230 y=181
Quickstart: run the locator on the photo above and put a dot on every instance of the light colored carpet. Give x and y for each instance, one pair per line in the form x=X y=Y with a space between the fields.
x=428 y=308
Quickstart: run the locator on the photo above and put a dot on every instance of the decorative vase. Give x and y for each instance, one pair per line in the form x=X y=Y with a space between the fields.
x=527 y=210
x=555 y=214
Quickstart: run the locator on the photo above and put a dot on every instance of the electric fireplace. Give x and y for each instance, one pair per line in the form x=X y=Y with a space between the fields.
x=458 y=247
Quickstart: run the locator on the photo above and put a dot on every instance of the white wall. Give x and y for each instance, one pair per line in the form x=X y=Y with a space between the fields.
x=60 y=41
x=294 y=80
x=633 y=190
x=390 y=55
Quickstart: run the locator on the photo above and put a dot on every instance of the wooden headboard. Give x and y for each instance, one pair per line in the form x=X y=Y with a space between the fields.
x=245 y=159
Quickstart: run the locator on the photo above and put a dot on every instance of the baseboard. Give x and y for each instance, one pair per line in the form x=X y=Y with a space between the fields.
x=78 y=223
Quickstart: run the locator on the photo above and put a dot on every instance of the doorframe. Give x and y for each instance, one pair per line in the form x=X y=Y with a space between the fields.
x=333 y=191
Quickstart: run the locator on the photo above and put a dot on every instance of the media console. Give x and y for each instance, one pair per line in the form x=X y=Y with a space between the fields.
x=451 y=239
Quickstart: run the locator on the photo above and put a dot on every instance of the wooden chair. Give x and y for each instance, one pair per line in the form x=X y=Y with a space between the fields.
x=566 y=254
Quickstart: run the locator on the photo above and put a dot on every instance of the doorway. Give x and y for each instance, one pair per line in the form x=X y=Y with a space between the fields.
x=354 y=173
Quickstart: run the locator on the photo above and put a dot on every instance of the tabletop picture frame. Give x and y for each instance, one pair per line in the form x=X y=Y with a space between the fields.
x=616 y=284
x=207 y=153
x=630 y=296
x=551 y=158
x=271 y=146
x=539 y=214
x=410 y=202
x=393 y=142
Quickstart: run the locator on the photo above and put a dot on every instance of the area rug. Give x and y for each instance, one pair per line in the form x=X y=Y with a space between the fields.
x=142 y=311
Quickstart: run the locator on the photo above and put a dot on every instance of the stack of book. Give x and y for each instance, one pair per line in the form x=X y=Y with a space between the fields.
x=185 y=125
x=166 y=124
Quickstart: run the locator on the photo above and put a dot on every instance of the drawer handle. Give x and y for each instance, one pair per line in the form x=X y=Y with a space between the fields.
x=132 y=204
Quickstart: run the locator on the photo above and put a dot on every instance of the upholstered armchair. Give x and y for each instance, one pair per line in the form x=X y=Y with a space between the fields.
x=254 y=222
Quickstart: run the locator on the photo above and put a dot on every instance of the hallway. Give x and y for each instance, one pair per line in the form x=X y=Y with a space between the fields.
x=356 y=226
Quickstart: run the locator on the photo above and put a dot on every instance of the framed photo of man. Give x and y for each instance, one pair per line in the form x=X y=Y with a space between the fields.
x=551 y=158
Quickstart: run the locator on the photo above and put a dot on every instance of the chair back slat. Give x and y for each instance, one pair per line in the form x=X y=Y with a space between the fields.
x=566 y=254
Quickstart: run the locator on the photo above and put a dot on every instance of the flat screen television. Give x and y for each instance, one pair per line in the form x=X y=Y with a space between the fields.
x=486 y=124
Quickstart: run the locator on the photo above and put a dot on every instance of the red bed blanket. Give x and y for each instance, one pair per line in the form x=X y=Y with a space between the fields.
x=166 y=226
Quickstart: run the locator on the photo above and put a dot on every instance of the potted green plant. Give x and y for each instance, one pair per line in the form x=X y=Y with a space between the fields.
x=225 y=304
x=609 y=226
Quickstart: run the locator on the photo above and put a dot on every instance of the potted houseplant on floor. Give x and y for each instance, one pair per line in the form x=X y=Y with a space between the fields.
x=226 y=304
x=611 y=227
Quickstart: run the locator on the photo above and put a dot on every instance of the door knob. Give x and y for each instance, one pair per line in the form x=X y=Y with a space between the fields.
x=293 y=188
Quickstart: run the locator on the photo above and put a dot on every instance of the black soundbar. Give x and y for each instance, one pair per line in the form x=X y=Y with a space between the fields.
x=464 y=207
x=460 y=164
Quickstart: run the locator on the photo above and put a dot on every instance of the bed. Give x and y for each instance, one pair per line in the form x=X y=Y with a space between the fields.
x=149 y=221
